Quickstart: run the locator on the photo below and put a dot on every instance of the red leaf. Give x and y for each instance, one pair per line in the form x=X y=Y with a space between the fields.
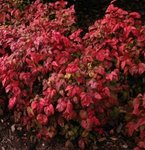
x=34 y=105
x=123 y=64
x=54 y=63
x=87 y=124
x=61 y=105
x=17 y=14
x=112 y=76
x=50 y=93
x=142 y=144
x=100 y=55
x=136 y=103
x=86 y=99
x=100 y=70
x=83 y=114
x=30 y=112
x=69 y=113
x=131 y=128
x=69 y=88
x=140 y=122
x=141 y=68
x=81 y=144
x=49 y=110
x=136 y=148
x=73 y=90
x=66 y=41
x=43 y=102
x=127 y=31
x=135 y=15
x=60 y=121
x=98 y=96
x=36 y=57
x=95 y=121
x=72 y=67
x=63 y=60
x=12 y=102
x=106 y=91
x=42 y=119
x=8 y=88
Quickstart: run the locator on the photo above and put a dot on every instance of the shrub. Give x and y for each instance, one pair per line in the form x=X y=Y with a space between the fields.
x=116 y=44
x=60 y=83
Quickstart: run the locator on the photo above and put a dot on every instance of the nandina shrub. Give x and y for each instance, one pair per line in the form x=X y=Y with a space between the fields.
x=32 y=47
x=36 y=47
x=116 y=44
x=57 y=82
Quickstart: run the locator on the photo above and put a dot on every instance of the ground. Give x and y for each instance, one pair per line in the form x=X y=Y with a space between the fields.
x=12 y=137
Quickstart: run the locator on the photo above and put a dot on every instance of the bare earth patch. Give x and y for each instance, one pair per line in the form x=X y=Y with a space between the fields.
x=13 y=138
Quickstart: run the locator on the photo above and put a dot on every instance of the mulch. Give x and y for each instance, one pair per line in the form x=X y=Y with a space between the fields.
x=13 y=137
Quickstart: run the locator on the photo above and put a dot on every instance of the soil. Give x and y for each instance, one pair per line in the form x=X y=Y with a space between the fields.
x=12 y=137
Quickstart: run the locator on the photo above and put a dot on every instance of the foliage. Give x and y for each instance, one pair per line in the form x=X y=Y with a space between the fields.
x=136 y=124
x=116 y=45
x=59 y=83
